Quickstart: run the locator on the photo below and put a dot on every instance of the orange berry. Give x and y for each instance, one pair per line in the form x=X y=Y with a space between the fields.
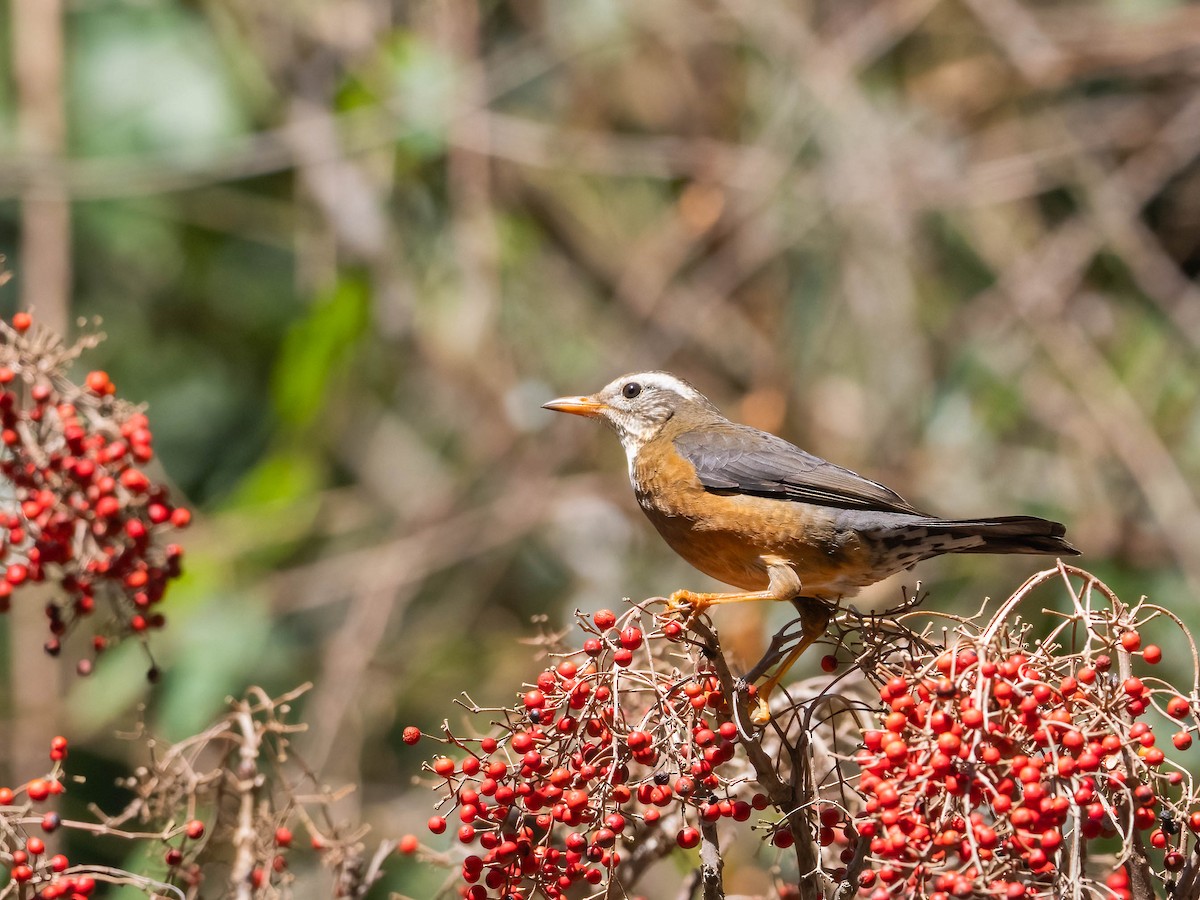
x=98 y=383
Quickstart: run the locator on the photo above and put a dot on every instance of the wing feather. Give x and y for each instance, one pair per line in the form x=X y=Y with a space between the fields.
x=738 y=459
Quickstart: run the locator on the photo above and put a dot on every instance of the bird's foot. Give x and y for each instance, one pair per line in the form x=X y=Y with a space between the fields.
x=760 y=715
x=688 y=604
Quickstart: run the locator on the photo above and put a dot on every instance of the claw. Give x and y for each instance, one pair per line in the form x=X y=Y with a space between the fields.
x=761 y=714
x=687 y=603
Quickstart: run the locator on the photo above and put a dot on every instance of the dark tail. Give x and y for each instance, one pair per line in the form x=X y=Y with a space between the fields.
x=1008 y=534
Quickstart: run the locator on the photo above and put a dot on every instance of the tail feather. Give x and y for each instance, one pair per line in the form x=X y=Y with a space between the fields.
x=1006 y=534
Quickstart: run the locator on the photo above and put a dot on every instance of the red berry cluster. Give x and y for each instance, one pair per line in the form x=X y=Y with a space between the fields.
x=992 y=759
x=27 y=825
x=80 y=512
x=994 y=768
x=616 y=739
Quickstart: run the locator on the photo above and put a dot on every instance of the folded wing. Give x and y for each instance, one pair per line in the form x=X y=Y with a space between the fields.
x=738 y=459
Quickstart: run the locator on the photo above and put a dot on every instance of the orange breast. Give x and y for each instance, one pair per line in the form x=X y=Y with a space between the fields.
x=726 y=536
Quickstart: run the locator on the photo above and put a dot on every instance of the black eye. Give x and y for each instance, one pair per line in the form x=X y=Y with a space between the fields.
x=631 y=389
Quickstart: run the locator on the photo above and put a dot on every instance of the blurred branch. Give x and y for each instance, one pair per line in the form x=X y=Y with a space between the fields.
x=45 y=278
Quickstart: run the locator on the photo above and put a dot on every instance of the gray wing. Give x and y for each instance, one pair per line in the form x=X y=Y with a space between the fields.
x=738 y=459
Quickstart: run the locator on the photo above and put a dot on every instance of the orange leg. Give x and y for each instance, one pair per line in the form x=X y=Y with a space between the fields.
x=782 y=584
x=696 y=603
x=814 y=619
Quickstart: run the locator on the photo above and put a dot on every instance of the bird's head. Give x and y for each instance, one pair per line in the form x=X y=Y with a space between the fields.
x=638 y=406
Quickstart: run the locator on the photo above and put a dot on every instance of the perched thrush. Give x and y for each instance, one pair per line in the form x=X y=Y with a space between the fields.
x=751 y=510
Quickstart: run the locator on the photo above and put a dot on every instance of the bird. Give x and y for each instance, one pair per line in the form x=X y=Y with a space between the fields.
x=760 y=514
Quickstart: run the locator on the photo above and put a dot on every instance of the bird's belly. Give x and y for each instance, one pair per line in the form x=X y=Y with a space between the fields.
x=729 y=538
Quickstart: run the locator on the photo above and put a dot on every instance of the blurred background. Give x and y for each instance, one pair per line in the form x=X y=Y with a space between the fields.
x=344 y=251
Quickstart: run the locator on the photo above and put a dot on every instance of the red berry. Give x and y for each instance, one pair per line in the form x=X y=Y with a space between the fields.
x=688 y=838
x=604 y=619
x=408 y=844
x=194 y=829
x=283 y=836
x=411 y=734
x=1152 y=654
x=1177 y=707
x=437 y=824
x=631 y=638
x=829 y=663
x=443 y=766
x=38 y=789
x=98 y=383
x=1182 y=740
x=21 y=321
x=58 y=748
x=1131 y=640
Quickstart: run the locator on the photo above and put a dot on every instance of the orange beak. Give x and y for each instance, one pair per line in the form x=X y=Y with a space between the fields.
x=576 y=406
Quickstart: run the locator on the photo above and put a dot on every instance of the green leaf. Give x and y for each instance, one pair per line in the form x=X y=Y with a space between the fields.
x=314 y=350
